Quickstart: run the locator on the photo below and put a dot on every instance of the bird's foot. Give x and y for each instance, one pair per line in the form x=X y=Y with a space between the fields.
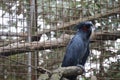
x=82 y=67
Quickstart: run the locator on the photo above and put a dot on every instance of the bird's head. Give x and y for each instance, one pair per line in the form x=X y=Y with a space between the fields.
x=85 y=27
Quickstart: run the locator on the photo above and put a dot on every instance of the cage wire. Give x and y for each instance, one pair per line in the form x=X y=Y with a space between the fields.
x=35 y=33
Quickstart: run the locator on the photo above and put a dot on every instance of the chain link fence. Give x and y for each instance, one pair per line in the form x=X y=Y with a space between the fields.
x=34 y=34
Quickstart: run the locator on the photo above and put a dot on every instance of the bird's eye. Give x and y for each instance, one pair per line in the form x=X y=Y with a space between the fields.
x=85 y=28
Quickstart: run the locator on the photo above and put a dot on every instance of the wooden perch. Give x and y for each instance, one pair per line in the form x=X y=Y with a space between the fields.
x=22 y=35
x=33 y=46
x=104 y=35
x=69 y=71
x=60 y=42
x=62 y=72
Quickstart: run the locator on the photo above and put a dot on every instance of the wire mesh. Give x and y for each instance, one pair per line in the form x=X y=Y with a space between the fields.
x=35 y=33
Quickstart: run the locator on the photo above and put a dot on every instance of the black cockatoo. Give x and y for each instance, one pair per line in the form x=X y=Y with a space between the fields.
x=77 y=50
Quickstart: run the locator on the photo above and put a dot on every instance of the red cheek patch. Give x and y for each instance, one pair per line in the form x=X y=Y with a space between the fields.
x=85 y=28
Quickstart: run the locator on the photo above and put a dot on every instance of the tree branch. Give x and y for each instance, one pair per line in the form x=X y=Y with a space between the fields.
x=69 y=71
x=62 y=72
x=60 y=42
x=71 y=23
x=67 y=24
x=33 y=46
x=104 y=35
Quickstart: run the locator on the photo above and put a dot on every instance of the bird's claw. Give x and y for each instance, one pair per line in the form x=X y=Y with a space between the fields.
x=82 y=67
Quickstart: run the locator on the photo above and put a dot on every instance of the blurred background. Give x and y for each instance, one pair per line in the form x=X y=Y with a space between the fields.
x=34 y=33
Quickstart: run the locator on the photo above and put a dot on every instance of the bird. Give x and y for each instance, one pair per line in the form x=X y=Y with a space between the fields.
x=77 y=50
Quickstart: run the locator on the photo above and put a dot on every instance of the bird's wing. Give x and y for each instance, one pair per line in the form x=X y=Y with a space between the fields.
x=73 y=53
